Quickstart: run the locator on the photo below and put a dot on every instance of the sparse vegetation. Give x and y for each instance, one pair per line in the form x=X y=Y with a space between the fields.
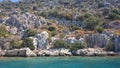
x=110 y=46
x=64 y=44
x=92 y=22
x=4 y=32
x=31 y=32
x=15 y=44
x=100 y=29
x=51 y=28
x=28 y=43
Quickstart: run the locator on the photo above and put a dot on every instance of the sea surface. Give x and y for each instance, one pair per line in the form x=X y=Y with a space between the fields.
x=61 y=62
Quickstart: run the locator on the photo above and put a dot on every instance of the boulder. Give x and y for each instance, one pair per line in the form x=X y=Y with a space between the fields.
x=54 y=52
x=26 y=52
x=90 y=52
x=23 y=52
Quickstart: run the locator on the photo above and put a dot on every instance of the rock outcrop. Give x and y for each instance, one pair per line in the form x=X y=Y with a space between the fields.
x=54 y=52
x=41 y=40
x=92 y=52
x=100 y=40
x=23 y=52
x=20 y=23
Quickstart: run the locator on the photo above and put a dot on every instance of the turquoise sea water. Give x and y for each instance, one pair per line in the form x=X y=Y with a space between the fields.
x=61 y=62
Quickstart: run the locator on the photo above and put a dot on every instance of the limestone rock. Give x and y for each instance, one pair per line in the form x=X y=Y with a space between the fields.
x=24 y=52
x=41 y=40
x=90 y=52
x=22 y=22
x=72 y=40
x=100 y=40
x=116 y=43
x=55 y=52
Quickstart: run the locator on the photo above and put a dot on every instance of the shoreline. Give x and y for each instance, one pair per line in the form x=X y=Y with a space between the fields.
x=63 y=56
x=87 y=52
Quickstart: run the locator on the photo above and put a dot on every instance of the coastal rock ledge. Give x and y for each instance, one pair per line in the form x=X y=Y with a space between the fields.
x=23 y=52
x=55 y=52
x=26 y=52
x=93 y=52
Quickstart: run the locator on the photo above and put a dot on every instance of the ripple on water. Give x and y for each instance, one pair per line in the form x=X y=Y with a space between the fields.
x=60 y=62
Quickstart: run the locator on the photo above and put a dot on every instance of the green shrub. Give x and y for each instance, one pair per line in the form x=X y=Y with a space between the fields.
x=62 y=35
x=3 y=32
x=51 y=28
x=31 y=32
x=28 y=43
x=53 y=33
x=73 y=28
x=60 y=43
x=44 y=14
x=100 y=29
x=84 y=16
x=92 y=22
x=15 y=44
x=77 y=46
x=114 y=14
x=100 y=5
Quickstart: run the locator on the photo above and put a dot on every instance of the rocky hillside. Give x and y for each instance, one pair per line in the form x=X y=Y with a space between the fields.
x=53 y=24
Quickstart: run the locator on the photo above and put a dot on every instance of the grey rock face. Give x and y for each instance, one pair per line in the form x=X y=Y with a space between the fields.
x=24 y=52
x=26 y=20
x=4 y=43
x=116 y=43
x=41 y=40
x=22 y=22
x=100 y=40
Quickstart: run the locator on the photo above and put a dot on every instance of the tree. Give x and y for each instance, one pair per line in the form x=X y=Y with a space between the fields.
x=92 y=22
x=28 y=43
x=100 y=29
x=77 y=46
x=60 y=43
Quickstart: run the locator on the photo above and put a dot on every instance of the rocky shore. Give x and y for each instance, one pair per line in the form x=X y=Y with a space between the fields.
x=26 y=52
